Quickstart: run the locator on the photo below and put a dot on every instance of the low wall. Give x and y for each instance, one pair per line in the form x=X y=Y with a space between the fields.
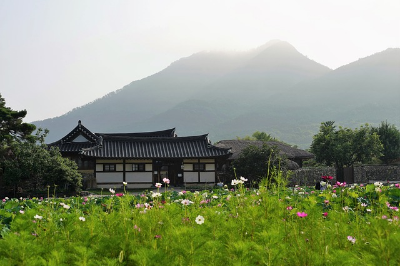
x=362 y=174
x=369 y=173
x=310 y=176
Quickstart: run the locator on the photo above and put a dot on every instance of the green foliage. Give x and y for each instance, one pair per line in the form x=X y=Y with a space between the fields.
x=26 y=163
x=344 y=146
x=258 y=162
x=11 y=125
x=389 y=135
x=259 y=136
x=241 y=227
x=33 y=167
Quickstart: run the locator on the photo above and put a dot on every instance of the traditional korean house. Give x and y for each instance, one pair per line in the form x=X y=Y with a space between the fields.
x=106 y=160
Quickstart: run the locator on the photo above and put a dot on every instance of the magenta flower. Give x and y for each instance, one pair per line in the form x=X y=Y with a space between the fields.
x=302 y=214
x=325 y=214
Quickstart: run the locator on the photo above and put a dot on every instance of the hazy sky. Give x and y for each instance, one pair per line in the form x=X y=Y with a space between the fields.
x=57 y=55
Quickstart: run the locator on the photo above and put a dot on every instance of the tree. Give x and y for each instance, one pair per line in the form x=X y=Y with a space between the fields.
x=256 y=163
x=11 y=125
x=25 y=161
x=31 y=167
x=389 y=135
x=344 y=147
x=260 y=136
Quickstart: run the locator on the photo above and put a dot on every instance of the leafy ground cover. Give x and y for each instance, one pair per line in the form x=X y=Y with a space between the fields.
x=271 y=225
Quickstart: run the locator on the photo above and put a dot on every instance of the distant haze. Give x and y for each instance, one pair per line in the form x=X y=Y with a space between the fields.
x=59 y=55
x=273 y=88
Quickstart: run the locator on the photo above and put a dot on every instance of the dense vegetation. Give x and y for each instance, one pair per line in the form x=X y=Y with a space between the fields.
x=26 y=164
x=341 y=225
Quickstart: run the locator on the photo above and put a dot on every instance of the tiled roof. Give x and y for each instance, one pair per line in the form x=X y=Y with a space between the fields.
x=177 y=147
x=157 y=144
x=237 y=146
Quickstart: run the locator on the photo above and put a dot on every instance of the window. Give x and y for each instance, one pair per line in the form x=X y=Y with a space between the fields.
x=199 y=167
x=109 y=167
x=138 y=167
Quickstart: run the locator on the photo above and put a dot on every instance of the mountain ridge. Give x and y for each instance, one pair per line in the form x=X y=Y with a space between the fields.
x=272 y=88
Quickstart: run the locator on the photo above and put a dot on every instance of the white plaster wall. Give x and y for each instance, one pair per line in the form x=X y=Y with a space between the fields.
x=99 y=168
x=120 y=167
x=109 y=177
x=207 y=177
x=190 y=177
x=188 y=167
x=148 y=167
x=210 y=167
x=139 y=177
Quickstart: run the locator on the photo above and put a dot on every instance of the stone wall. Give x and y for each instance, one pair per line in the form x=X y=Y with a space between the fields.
x=310 y=176
x=362 y=174
x=371 y=173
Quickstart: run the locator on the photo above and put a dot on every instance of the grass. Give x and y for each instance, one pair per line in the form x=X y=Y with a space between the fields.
x=272 y=225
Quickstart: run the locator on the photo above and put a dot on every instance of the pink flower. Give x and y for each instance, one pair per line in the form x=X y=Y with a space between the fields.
x=158 y=185
x=289 y=208
x=384 y=217
x=325 y=214
x=351 y=239
x=119 y=194
x=302 y=214
x=397 y=185
x=157 y=236
x=326 y=177
x=326 y=201
x=166 y=180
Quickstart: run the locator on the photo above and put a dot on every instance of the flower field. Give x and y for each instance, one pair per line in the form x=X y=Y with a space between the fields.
x=271 y=225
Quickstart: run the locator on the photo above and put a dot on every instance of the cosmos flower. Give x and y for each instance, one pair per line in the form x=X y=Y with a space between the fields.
x=199 y=219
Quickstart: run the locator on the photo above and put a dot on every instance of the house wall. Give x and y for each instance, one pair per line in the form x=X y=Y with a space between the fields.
x=190 y=175
x=124 y=173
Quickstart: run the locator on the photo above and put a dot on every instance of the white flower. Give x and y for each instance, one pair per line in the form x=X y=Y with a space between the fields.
x=199 y=219
x=378 y=184
x=38 y=217
x=21 y=212
x=323 y=183
x=61 y=219
x=66 y=206
x=112 y=191
x=334 y=195
x=186 y=202
x=82 y=219
x=243 y=179
x=215 y=197
x=156 y=195
x=125 y=183
x=62 y=203
x=158 y=185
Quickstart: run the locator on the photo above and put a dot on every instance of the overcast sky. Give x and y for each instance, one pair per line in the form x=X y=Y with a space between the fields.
x=57 y=55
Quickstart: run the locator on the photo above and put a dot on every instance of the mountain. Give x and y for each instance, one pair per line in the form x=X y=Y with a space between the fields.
x=273 y=88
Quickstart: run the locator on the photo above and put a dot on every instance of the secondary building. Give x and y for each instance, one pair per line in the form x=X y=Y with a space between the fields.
x=106 y=160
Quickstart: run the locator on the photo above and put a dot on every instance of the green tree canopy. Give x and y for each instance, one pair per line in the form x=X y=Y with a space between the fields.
x=26 y=162
x=260 y=136
x=32 y=167
x=11 y=125
x=256 y=163
x=389 y=135
x=344 y=147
